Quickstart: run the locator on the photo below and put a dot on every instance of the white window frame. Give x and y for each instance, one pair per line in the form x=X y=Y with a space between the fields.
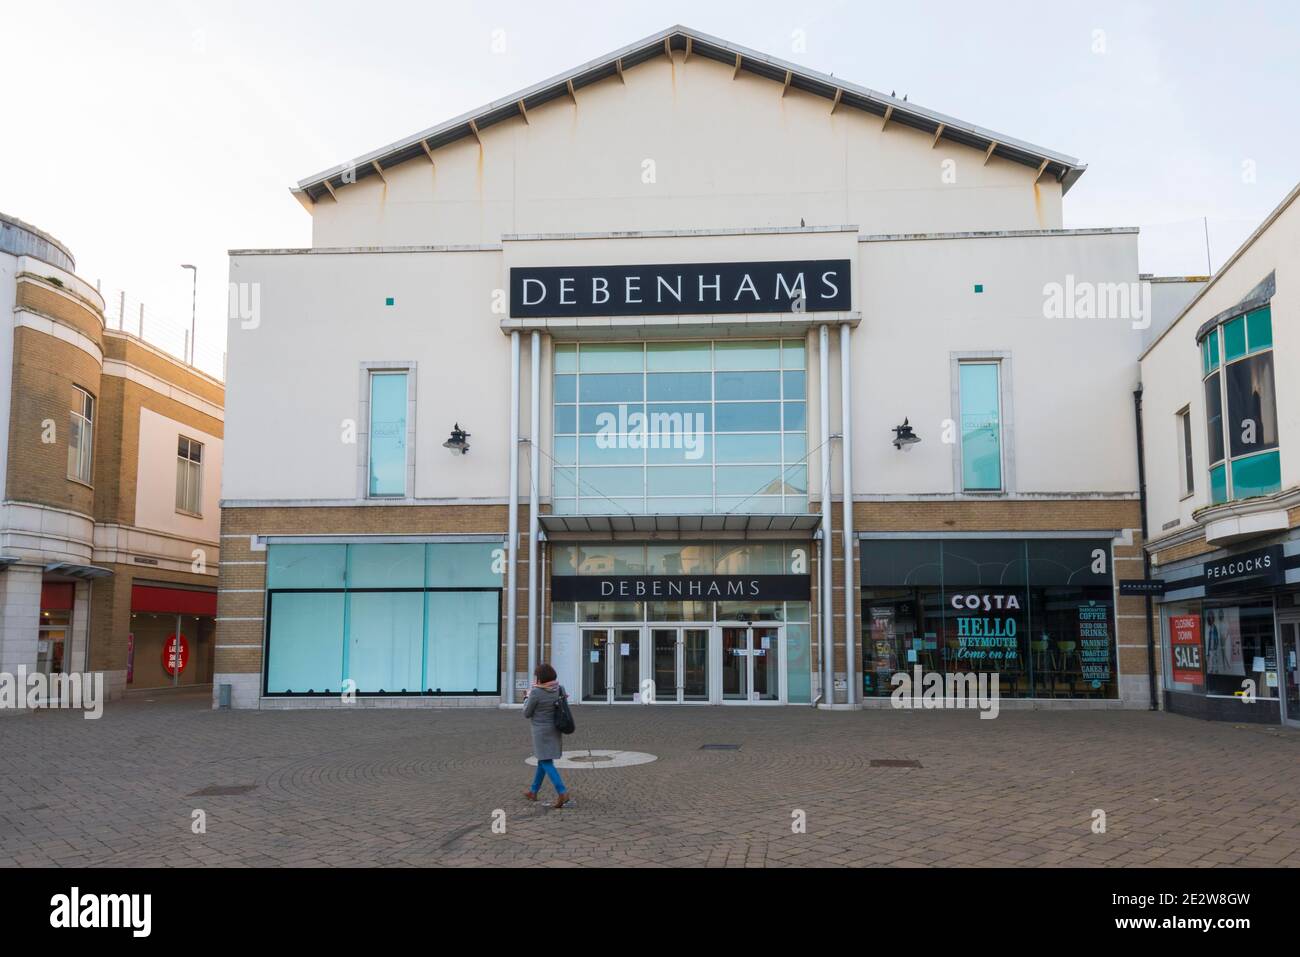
x=1006 y=421
x=1186 y=464
x=85 y=448
x=193 y=469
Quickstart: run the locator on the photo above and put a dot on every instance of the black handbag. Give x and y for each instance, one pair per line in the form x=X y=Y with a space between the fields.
x=563 y=716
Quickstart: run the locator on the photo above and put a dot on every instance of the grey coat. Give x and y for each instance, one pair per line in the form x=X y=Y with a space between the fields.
x=540 y=709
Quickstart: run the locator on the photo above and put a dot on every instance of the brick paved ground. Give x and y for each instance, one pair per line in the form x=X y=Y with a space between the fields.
x=420 y=788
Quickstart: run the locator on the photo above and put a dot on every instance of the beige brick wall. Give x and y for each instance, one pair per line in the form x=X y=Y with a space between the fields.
x=39 y=296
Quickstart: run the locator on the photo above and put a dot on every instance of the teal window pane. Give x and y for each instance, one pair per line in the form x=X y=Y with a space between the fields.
x=1234 y=339
x=566 y=388
x=611 y=449
x=792 y=354
x=796 y=416
x=388 y=434
x=614 y=419
x=566 y=357
x=464 y=632
x=1205 y=356
x=564 y=506
x=305 y=648
x=679 y=480
x=385 y=566
x=796 y=447
x=748 y=504
x=680 y=558
x=748 y=416
x=466 y=564
x=747 y=385
x=694 y=449
x=798 y=611
x=626 y=387
x=566 y=419
x=611 y=357
x=679 y=386
x=796 y=386
x=796 y=480
x=981 y=430
x=749 y=480
x=746 y=354
x=1213 y=340
x=1218 y=484
x=798 y=659
x=1259 y=329
x=565 y=449
x=669 y=419
x=752 y=558
x=795 y=505
x=679 y=356
x=564 y=483
x=611 y=482
x=749 y=448
x=305 y=566
x=385 y=640
x=1256 y=475
x=614 y=506
x=680 y=505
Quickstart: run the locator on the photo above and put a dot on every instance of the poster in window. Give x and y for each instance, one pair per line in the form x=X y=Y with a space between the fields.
x=1223 y=642
x=1185 y=649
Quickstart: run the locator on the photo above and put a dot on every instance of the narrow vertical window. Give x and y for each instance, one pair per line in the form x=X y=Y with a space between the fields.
x=388 y=433
x=1185 y=452
x=189 y=476
x=981 y=427
x=81 y=435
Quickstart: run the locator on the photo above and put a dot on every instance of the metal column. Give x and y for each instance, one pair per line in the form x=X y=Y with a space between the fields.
x=534 y=522
x=825 y=604
x=512 y=535
x=846 y=523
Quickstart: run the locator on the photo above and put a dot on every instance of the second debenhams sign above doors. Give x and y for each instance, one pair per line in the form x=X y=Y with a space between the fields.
x=680 y=289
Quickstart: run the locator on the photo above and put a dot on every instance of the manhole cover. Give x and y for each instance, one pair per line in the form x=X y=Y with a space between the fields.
x=893 y=763
x=599 y=759
x=217 y=790
x=592 y=757
x=719 y=747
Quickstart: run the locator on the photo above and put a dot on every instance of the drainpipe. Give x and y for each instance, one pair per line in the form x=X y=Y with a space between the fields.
x=534 y=522
x=825 y=605
x=512 y=535
x=846 y=522
x=1146 y=556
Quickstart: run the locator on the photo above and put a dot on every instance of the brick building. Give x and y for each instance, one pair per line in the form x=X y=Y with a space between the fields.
x=109 y=522
x=775 y=386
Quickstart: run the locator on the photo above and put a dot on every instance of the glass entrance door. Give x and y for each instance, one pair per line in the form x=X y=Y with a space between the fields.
x=751 y=667
x=611 y=664
x=679 y=664
x=1289 y=663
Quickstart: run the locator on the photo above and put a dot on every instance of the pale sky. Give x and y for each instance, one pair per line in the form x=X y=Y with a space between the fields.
x=148 y=134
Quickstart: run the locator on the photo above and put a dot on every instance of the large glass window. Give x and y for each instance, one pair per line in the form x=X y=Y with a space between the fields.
x=981 y=427
x=680 y=427
x=1039 y=613
x=81 y=435
x=1241 y=407
x=388 y=433
x=395 y=618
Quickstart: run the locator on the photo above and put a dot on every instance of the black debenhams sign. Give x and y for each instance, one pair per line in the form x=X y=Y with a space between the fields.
x=680 y=587
x=679 y=289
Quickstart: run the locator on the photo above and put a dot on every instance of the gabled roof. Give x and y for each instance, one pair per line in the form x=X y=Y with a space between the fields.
x=1064 y=168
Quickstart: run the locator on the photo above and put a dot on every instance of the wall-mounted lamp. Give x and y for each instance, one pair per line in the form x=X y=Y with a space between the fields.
x=457 y=442
x=904 y=437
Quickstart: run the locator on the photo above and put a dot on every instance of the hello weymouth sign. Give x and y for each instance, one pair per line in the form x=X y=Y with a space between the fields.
x=680 y=289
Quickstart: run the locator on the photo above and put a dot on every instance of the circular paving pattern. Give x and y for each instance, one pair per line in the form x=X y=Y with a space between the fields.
x=597 y=758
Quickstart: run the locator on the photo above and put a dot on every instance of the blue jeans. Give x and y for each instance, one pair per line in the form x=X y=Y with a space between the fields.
x=547 y=768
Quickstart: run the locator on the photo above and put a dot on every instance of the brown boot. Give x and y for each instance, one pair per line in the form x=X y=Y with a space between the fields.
x=530 y=795
x=561 y=800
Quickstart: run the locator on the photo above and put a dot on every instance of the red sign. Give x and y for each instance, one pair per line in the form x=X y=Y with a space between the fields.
x=175 y=646
x=1185 y=648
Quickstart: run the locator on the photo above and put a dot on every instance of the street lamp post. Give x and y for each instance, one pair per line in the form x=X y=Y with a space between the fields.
x=194 y=292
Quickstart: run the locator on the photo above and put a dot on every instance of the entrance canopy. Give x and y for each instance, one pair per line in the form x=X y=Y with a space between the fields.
x=757 y=524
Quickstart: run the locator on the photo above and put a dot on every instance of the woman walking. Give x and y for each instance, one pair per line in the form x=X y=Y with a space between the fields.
x=540 y=709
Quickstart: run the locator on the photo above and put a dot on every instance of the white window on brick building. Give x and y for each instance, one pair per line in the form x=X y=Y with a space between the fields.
x=81 y=435
x=189 y=476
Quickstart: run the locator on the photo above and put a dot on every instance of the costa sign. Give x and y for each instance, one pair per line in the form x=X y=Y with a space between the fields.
x=678 y=289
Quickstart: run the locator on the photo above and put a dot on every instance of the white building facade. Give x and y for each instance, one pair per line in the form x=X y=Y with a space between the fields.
x=692 y=305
